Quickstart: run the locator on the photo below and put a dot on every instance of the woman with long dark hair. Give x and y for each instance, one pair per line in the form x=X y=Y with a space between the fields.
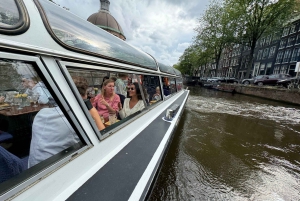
x=134 y=103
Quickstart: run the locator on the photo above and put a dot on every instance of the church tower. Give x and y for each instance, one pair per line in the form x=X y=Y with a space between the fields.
x=106 y=21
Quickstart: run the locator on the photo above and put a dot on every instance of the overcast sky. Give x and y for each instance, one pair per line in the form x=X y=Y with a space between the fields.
x=162 y=28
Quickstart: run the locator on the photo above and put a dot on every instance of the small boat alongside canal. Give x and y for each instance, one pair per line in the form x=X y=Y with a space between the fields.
x=43 y=47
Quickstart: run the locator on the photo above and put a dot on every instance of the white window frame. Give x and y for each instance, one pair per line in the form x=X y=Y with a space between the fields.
x=41 y=174
x=293 y=28
x=265 y=53
x=291 y=41
x=272 y=51
x=285 y=31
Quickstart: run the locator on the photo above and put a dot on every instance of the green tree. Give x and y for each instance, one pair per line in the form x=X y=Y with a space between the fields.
x=215 y=30
x=257 y=18
x=189 y=60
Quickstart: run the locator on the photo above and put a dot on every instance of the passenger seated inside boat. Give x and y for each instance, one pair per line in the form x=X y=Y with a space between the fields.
x=82 y=86
x=104 y=78
x=120 y=84
x=34 y=88
x=107 y=101
x=51 y=134
x=157 y=95
x=10 y=165
x=133 y=104
x=31 y=129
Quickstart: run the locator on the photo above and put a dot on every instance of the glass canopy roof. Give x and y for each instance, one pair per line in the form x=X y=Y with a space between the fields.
x=166 y=69
x=177 y=72
x=80 y=35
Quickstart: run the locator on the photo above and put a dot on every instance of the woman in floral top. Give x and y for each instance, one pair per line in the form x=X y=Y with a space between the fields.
x=107 y=102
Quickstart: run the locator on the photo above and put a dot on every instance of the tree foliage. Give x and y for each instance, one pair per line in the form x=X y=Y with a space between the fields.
x=256 y=18
x=215 y=30
x=227 y=22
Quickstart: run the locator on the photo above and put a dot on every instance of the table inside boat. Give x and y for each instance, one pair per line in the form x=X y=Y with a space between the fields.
x=18 y=123
x=13 y=110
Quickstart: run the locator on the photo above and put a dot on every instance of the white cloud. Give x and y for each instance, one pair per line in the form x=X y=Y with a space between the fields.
x=162 y=28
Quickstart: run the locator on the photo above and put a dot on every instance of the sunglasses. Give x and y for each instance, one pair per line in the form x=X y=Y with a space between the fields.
x=130 y=88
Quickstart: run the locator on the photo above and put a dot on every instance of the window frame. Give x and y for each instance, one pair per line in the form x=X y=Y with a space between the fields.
x=259 y=54
x=282 y=43
x=265 y=53
x=24 y=181
x=101 y=135
x=297 y=40
x=287 y=55
x=291 y=41
x=23 y=23
x=285 y=31
x=45 y=18
x=272 y=51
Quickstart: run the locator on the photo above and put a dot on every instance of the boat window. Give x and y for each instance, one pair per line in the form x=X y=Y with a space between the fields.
x=179 y=83
x=169 y=86
x=79 y=35
x=34 y=131
x=166 y=69
x=110 y=93
x=153 y=89
x=13 y=17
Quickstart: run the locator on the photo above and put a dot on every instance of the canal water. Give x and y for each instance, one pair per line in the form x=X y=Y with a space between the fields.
x=232 y=147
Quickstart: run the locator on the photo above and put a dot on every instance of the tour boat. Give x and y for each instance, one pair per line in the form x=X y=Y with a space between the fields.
x=50 y=145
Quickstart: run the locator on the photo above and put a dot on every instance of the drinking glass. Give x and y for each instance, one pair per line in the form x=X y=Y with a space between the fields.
x=112 y=118
x=34 y=98
x=10 y=96
x=2 y=97
x=18 y=101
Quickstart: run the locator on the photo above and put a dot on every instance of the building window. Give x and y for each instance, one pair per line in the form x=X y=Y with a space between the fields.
x=287 y=55
x=276 y=70
x=272 y=51
x=259 y=54
x=276 y=37
x=262 y=69
x=268 y=70
x=293 y=29
x=285 y=31
x=282 y=44
x=262 y=42
x=268 y=39
x=265 y=53
x=298 y=39
x=296 y=54
x=279 y=57
x=283 y=69
x=291 y=41
x=291 y=70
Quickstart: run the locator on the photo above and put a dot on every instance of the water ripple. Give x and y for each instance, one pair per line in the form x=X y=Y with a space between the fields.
x=246 y=109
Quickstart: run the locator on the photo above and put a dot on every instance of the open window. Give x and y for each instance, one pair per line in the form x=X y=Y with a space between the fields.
x=36 y=133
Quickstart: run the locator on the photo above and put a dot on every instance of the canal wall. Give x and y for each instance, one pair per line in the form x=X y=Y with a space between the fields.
x=273 y=93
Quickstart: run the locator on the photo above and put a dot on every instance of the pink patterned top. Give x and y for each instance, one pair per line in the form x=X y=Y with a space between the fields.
x=102 y=109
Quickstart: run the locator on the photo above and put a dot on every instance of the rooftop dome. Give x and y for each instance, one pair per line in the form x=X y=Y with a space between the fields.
x=106 y=21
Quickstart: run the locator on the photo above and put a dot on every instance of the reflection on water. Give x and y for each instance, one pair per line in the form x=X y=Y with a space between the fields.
x=233 y=148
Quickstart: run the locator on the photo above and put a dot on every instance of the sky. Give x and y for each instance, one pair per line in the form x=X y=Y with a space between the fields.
x=162 y=28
